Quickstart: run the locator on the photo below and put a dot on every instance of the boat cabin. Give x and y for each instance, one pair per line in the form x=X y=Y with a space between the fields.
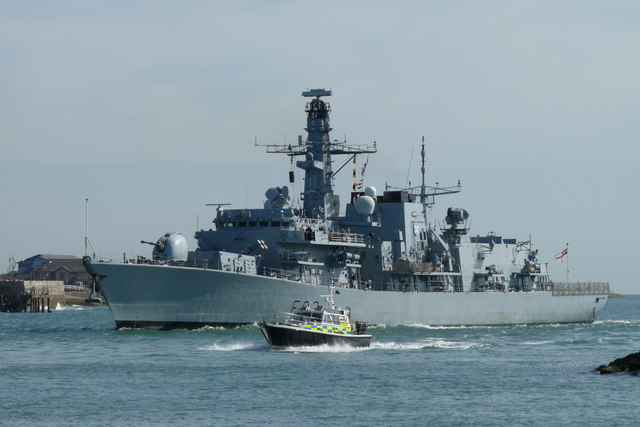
x=319 y=314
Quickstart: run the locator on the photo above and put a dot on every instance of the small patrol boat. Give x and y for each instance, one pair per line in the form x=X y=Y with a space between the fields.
x=313 y=324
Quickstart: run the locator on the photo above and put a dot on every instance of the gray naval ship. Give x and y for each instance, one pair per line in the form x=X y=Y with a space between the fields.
x=390 y=263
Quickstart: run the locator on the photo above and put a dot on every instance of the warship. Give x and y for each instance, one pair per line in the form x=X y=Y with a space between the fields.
x=390 y=261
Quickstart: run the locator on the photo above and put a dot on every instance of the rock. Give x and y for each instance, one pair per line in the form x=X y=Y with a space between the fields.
x=608 y=369
x=630 y=363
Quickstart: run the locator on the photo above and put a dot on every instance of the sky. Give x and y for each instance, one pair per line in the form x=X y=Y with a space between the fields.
x=152 y=109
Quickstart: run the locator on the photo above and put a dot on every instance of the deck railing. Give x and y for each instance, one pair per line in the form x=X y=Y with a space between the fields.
x=346 y=237
x=281 y=274
x=579 y=288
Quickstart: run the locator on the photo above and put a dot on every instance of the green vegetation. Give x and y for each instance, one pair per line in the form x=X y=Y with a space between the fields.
x=76 y=298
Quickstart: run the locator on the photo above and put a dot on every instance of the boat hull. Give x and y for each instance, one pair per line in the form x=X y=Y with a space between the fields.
x=168 y=297
x=289 y=336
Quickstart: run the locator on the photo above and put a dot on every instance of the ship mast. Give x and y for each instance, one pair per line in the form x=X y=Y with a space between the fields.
x=423 y=187
x=319 y=201
x=87 y=242
x=86 y=226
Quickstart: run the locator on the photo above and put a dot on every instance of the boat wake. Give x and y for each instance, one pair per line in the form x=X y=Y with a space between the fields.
x=70 y=307
x=344 y=348
x=418 y=325
x=237 y=346
x=544 y=342
x=614 y=322
x=208 y=328
x=428 y=344
x=339 y=348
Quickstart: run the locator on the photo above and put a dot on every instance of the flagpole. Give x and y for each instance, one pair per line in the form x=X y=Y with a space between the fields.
x=567 y=279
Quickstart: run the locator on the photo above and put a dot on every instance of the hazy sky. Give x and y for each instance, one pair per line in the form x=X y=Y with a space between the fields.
x=151 y=108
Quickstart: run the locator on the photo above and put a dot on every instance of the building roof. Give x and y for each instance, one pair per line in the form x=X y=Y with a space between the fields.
x=49 y=262
x=57 y=267
x=56 y=257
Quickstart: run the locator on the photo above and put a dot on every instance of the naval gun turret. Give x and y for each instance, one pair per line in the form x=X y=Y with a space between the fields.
x=170 y=247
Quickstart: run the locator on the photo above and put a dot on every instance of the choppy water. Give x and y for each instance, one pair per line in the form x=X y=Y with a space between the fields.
x=71 y=367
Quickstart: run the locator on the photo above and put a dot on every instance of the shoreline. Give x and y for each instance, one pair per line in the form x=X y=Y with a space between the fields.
x=78 y=298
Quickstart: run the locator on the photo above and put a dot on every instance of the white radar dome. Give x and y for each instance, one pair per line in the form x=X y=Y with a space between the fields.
x=371 y=192
x=171 y=247
x=365 y=205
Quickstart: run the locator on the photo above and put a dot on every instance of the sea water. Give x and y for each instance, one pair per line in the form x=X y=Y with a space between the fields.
x=72 y=367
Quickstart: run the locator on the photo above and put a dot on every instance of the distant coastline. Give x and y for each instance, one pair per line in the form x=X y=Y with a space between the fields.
x=616 y=296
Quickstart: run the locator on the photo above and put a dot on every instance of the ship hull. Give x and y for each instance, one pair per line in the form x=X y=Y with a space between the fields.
x=289 y=336
x=168 y=297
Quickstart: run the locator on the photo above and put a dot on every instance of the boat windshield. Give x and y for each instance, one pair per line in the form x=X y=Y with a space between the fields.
x=307 y=315
x=335 y=318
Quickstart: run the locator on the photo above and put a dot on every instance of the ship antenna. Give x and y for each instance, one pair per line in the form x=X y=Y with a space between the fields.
x=568 y=277
x=423 y=188
x=86 y=226
x=87 y=242
x=407 y=182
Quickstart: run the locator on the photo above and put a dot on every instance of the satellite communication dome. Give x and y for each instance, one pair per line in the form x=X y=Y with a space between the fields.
x=365 y=205
x=171 y=247
x=371 y=192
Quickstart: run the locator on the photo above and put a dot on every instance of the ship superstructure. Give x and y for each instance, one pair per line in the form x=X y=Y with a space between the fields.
x=383 y=253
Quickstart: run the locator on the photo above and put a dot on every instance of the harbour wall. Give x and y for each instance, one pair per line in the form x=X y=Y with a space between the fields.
x=30 y=295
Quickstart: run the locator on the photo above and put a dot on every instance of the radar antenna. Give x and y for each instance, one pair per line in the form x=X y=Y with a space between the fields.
x=316 y=151
x=219 y=205
x=426 y=193
x=316 y=92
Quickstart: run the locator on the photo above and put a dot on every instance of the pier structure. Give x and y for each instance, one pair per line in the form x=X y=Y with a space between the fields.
x=30 y=295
